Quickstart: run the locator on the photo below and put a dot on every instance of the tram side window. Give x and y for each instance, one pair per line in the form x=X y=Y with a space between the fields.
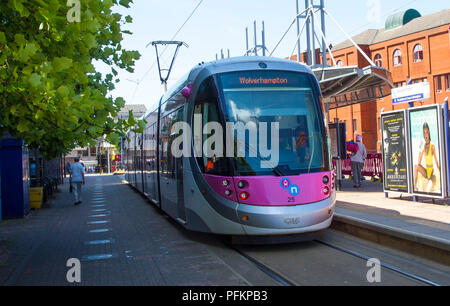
x=207 y=105
x=168 y=161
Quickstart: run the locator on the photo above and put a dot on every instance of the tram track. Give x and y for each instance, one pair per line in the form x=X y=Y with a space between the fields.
x=275 y=275
x=384 y=265
x=281 y=278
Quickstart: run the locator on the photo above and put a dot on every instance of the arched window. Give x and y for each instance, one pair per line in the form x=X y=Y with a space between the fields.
x=397 y=57
x=340 y=63
x=378 y=60
x=418 y=53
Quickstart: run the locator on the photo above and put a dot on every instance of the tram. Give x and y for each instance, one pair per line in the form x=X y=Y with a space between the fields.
x=276 y=179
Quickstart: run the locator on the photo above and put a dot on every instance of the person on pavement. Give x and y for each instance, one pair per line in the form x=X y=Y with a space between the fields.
x=77 y=179
x=358 y=159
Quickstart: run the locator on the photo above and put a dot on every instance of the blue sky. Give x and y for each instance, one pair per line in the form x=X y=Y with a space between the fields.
x=220 y=25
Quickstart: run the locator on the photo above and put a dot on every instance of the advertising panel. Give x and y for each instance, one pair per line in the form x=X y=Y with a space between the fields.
x=427 y=151
x=337 y=140
x=395 y=152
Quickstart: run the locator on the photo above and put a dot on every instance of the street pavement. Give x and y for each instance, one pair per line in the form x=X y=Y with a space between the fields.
x=398 y=211
x=119 y=238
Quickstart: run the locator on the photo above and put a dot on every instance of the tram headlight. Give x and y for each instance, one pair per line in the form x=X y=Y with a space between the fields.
x=326 y=179
x=241 y=184
x=326 y=190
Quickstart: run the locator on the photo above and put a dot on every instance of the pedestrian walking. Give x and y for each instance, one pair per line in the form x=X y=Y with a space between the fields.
x=358 y=160
x=77 y=179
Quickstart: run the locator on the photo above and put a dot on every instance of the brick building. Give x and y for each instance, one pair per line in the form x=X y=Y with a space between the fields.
x=413 y=48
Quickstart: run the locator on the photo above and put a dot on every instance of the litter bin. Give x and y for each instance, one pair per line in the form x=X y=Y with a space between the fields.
x=36 y=197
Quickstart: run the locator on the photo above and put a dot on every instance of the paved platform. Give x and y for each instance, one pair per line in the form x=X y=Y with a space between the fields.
x=398 y=215
x=119 y=238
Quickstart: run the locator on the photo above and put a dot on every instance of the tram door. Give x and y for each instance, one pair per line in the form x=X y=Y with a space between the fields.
x=171 y=168
x=151 y=174
x=133 y=156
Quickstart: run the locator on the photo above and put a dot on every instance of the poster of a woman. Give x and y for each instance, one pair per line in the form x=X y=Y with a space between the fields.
x=425 y=144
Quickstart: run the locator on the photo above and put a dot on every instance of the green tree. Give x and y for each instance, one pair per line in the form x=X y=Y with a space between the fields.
x=51 y=95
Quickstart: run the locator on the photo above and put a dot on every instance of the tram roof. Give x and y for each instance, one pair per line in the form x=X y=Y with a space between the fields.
x=242 y=63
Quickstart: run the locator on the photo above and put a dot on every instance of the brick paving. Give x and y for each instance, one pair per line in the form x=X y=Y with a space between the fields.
x=369 y=203
x=134 y=243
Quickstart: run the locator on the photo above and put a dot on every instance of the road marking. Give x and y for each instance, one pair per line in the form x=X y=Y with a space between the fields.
x=98 y=222
x=102 y=230
x=97 y=242
x=98 y=257
x=99 y=216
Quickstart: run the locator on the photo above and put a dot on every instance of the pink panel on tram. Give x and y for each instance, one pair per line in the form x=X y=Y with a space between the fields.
x=275 y=191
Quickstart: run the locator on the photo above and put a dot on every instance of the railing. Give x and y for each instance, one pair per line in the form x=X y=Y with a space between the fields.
x=373 y=166
x=48 y=176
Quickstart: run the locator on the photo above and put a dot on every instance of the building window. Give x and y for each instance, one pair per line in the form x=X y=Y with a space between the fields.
x=397 y=57
x=340 y=63
x=378 y=60
x=355 y=125
x=447 y=82
x=417 y=81
x=418 y=53
x=438 y=83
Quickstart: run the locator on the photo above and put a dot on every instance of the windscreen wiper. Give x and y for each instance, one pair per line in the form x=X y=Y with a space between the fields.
x=276 y=170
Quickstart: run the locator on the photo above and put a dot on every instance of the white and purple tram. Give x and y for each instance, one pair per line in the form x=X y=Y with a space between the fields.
x=234 y=194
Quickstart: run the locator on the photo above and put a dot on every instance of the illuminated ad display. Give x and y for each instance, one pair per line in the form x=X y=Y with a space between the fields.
x=426 y=152
x=395 y=152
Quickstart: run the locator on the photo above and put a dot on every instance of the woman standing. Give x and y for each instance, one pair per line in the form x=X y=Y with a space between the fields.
x=429 y=152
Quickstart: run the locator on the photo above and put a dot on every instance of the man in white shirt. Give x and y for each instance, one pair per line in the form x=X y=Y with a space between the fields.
x=358 y=160
x=77 y=179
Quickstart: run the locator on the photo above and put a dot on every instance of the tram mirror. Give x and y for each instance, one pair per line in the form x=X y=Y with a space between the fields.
x=186 y=92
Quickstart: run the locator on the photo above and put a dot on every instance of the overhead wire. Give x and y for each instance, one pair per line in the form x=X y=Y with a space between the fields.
x=356 y=29
x=138 y=82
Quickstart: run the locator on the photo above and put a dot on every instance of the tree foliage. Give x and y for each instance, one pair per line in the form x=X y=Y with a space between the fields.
x=51 y=95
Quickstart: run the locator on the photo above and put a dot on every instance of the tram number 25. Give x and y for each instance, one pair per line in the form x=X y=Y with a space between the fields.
x=246 y=295
x=291 y=200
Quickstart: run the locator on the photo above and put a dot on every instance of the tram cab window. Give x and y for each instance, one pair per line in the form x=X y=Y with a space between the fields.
x=207 y=108
x=282 y=98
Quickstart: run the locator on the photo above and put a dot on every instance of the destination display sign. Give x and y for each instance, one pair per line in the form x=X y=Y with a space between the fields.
x=257 y=79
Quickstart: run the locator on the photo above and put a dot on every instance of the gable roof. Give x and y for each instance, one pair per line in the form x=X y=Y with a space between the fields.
x=374 y=36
